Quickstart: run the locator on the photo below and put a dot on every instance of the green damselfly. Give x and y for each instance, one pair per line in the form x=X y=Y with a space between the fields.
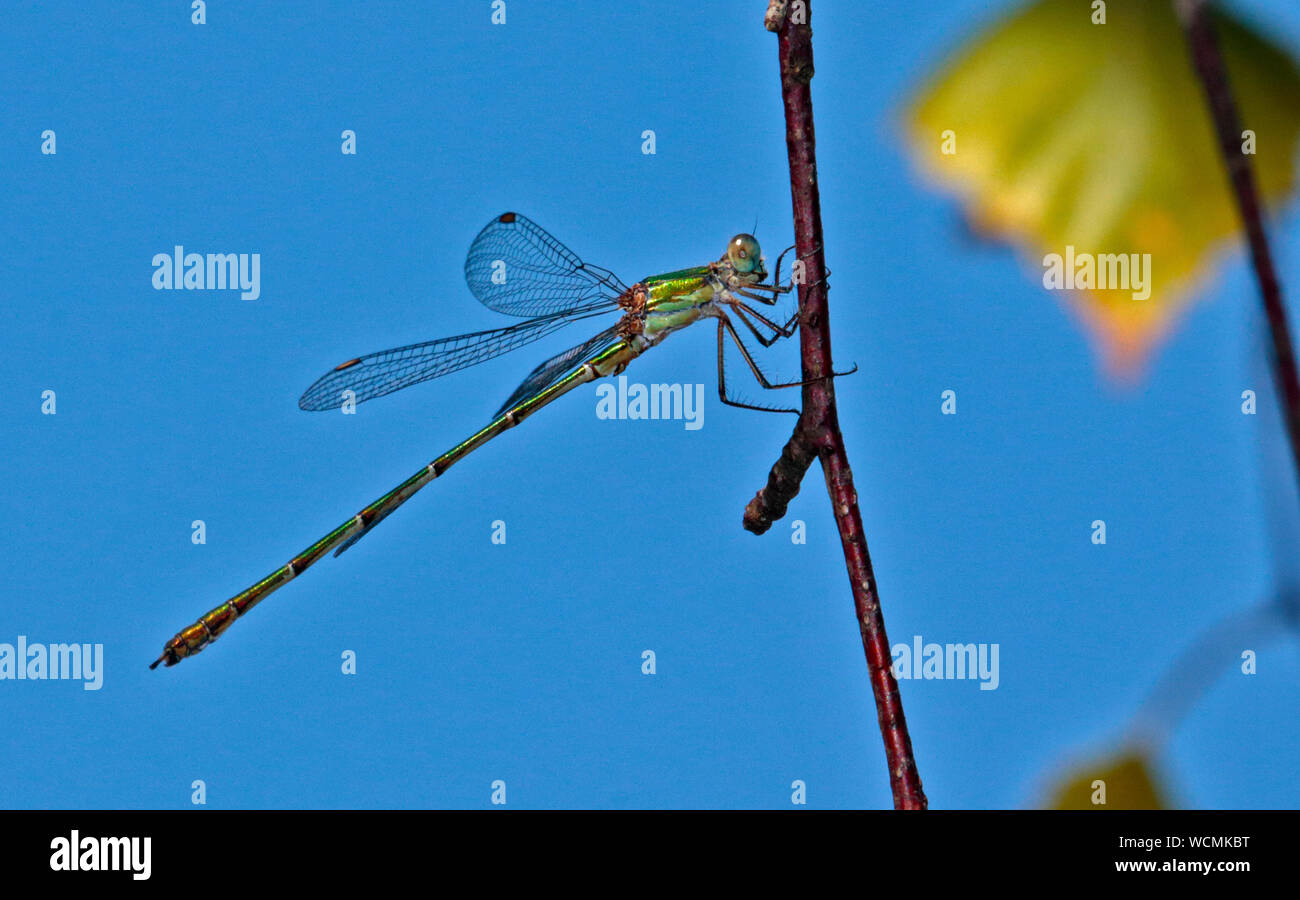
x=515 y=267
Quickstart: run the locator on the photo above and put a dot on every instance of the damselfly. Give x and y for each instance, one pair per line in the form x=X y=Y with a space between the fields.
x=516 y=268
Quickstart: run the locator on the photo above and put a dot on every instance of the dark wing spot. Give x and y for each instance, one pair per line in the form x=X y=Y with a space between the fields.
x=507 y=218
x=347 y=365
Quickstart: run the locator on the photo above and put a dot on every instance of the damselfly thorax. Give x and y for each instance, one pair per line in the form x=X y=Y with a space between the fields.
x=662 y=304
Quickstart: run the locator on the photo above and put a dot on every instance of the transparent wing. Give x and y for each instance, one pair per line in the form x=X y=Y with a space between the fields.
x=516 y=268
x=558 y=366
x=390 y=370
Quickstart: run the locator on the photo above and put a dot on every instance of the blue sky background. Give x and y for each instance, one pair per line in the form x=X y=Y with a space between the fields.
x=522 y=662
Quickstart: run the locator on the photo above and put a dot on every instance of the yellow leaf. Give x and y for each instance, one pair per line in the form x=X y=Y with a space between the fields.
x=1061 y=133
x=1123 y=782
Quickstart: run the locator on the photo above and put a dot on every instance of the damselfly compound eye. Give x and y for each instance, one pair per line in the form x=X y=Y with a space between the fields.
x=743 y=252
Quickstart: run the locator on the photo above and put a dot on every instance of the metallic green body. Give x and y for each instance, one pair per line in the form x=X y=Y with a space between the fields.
x=674 y=300
x=677 y=299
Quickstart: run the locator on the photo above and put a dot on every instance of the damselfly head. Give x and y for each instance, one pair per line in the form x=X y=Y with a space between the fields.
x=745 y=255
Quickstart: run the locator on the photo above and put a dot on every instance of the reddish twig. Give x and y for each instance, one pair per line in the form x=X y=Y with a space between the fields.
x=817 y=433
x=1207 y=59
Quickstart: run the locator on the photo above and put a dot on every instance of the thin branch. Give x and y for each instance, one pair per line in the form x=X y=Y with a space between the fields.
x=1207 y=59
x=817 y=433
